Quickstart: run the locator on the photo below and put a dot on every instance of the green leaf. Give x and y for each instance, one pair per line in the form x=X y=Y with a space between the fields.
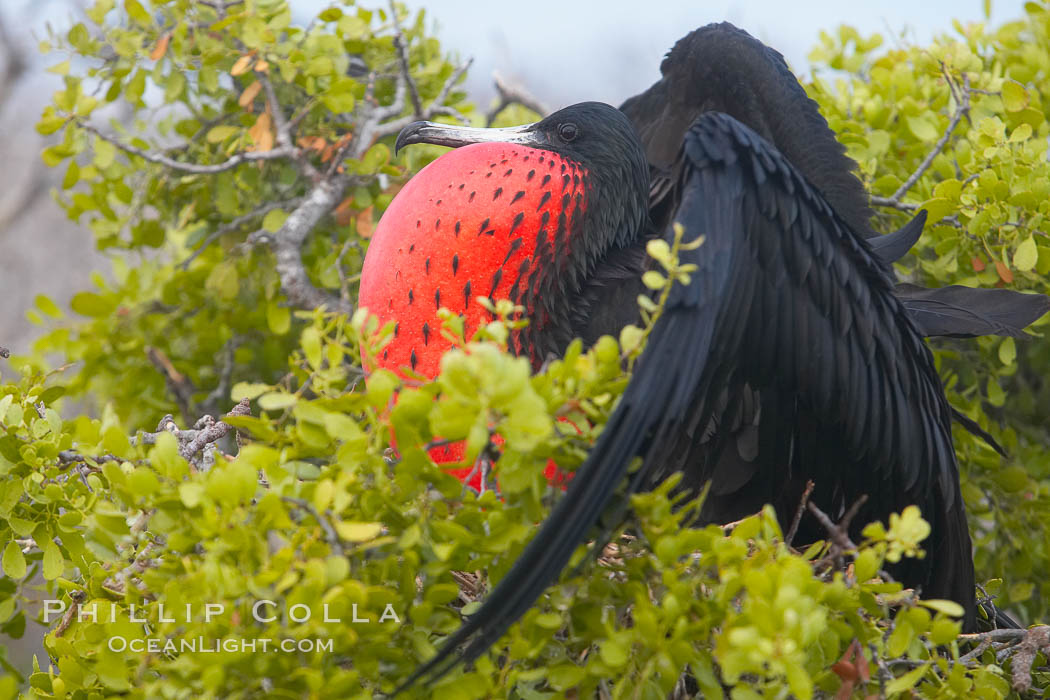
x=60 y=68
x=137 y=12
x=1007 y=351
x=357 y=531
x=277 y=401
x=273 y=220
x=653 y=280
x=13 y=562
x=1026 y=255
x=311 y=344
x=191 y=494
x=948 y=607
x=1022 y=133
x=47 y=306
x=54 y=563
x=218 y=134
x=105 y=152
x=907 y=681
x=1015 y=97
x=278 y=318
x=613 y=653
x=378 y=155
x=1012 y=479
x=938 y=208
x=923 y=128
x=320 y=65
x=566 y=676
x=92 y=305
x=867 y=564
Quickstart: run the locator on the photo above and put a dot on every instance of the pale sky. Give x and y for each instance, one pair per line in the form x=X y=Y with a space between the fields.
x=607 y=50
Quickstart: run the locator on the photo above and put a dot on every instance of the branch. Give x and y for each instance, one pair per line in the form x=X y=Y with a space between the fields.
x=117 y=583
x=178 y=383
x=213 y=431
x=962 y=108
x=838 y=533
x=218 y=5
x=1022 y=645
x=330 y=534
x=77 y=597
x=206 y=432
x=893 y=204
x=510 y=94
x=222 y=389
x=236 y=224
x=15 y=63
x=287 y=245
x=193 y=168
x=436 y=108
x=402 y=55
x=283 y=129
x=793 y=530
x=73 y=457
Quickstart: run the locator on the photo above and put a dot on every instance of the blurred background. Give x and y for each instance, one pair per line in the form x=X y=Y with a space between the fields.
x=562 y=52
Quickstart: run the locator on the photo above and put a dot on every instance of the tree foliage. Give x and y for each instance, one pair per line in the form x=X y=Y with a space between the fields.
x=236 y=205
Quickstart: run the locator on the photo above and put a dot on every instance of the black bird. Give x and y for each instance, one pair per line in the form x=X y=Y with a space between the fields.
x=789 y=357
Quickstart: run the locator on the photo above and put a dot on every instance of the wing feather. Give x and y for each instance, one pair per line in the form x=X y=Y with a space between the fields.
x=790 y=301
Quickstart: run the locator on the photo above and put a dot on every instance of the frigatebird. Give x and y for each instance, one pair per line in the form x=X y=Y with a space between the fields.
x=789 y=357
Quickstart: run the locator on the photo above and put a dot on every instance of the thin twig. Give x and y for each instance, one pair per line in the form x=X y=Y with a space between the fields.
x=237 y=224
x=838 y=534
x=220 y=6
x=793 y=530
x=227 y=364
x=330 y=534
x=194 y=168
x=72 y=457
x=283 y=130
x=180 y=385
x=510 y=94
x=402 y=55
x=962 y=109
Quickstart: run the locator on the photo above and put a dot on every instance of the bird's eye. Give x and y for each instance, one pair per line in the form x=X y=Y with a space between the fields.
x=568 y=132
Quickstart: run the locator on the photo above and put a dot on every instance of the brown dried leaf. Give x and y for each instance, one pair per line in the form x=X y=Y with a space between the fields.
x=161 y=48
x=243 y=64
x=249 y=94
x=262 y=133
x=342 y=213
x=1005 y=274
x=852 y=669
x=978 y=264
x=262 y=66
x=365 y=225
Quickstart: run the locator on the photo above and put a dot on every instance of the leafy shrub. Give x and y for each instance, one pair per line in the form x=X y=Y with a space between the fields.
x=237 y=203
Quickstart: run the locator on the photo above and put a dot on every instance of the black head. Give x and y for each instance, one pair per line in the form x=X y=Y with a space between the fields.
x=597 y=136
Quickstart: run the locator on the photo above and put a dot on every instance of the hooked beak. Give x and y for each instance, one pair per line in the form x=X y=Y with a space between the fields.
x=456 y=136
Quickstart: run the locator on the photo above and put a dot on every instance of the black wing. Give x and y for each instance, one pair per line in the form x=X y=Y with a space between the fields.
x=722 y=68
x=962 y=312
x=787 y=298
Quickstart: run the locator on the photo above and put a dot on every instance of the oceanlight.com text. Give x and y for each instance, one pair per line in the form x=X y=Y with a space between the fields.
x=208 y=646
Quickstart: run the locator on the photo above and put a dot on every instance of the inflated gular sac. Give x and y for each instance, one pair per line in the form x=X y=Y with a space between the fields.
x=484 y=220
x=479 y=221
